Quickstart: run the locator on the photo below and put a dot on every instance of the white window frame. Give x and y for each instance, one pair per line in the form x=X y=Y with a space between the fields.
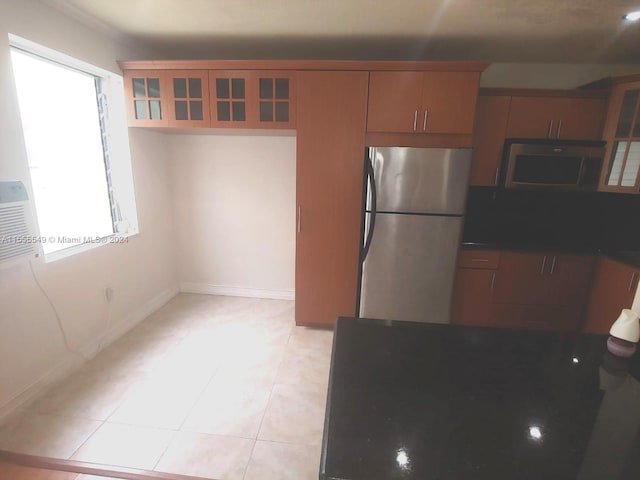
x=118 y=142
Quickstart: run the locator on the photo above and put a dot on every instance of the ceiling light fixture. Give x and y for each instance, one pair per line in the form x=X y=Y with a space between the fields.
x=632 y=16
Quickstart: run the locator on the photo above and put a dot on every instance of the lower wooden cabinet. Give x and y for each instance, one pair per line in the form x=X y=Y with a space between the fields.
x=329 y=178
x=532 y=290
x=473 y=295
x=614 y=287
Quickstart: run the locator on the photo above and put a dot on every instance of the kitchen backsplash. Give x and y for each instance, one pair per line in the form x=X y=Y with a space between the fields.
x=546 y=219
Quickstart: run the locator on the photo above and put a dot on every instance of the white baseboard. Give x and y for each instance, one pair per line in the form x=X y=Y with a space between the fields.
x=232 y=291
x=72 y=363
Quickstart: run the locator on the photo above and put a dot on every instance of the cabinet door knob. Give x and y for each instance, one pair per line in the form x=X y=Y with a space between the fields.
x=493 y=280
x=415 y=120
x=299 y=219
x=424 y=122
x=550 y=128
x=495 y=179
x=553 y=265
x=544 y=262
x=633 y=277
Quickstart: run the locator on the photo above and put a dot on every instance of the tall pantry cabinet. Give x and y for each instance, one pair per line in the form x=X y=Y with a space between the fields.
x=332 y=108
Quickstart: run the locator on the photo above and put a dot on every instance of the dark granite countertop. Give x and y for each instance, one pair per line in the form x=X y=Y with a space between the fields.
x=449 y=402
x=631 y=258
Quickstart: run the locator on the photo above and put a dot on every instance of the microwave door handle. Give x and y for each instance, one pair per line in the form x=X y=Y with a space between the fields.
x=581 y=171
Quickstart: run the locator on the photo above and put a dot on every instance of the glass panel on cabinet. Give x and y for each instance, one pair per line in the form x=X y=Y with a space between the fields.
x=617 y=155
x=282 y=88
x=266 y=112
x=139 y=88
x=266 y=88
x=141 y=109
x=625 y=119
x=282 y=111
x=181 y=110
x=237 y=88
x=222 y=88
x=195 y=88
x=238 y=111
x=156 y=111
x=224 y=112
x=180 y=87
x=196 y=109
x=630 y=174
x=153 y=85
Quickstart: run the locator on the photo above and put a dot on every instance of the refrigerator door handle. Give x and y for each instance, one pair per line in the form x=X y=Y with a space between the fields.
x=372 y=220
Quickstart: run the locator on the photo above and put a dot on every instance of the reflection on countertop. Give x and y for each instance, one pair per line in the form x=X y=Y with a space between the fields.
x=427 y=401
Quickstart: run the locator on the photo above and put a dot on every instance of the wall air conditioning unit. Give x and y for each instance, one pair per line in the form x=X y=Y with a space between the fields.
x=17 y=239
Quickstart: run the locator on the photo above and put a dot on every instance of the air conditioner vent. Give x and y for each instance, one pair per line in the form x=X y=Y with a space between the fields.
x=15 y=233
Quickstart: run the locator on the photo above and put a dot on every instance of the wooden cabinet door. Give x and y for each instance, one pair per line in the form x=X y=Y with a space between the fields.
x=472 y=296
x=188 y=98
x=232 y=103
x=521 y=278
x=448 y=102
x=568 y=279
x=394 y=102
x=146 y=92
x=329 y=180
x=489 y=132
x=582 y=119
x=535 y=117
x=614 y=287
x=276 y=100
x=621 y=170
x=535 y=317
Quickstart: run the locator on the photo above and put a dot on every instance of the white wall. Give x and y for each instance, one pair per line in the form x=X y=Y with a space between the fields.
x=234 y=201
x=549 y=75
x=141 y=272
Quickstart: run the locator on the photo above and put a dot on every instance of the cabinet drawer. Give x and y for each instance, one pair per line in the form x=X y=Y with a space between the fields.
x=534 y=317
x=473 y=258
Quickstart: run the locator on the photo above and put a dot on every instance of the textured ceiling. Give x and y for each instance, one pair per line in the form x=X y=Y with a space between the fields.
x=568 y=31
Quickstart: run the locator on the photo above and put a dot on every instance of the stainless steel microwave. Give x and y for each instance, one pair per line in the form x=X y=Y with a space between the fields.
x=552 y=164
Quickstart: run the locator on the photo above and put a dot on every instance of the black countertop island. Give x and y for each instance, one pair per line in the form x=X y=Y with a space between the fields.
x=448 y=402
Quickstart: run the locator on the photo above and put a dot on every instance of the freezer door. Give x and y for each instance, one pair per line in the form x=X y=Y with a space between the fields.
x=409 y=272
x=421 y=180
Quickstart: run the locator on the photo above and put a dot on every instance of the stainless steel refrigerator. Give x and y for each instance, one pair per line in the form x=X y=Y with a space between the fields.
x=413 y=226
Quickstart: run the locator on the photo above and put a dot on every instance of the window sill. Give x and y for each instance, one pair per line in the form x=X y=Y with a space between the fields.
x=95 y=242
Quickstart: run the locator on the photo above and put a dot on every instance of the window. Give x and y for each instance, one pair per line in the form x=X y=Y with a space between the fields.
x=77 y=148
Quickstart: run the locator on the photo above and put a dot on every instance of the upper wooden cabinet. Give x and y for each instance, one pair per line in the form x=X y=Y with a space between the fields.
x=622 y=133
x=489 y=132
x=146 y=94
x=556 y=117
x=187 y=98
x=614 y=288
x=422 y=102
x=252 y=99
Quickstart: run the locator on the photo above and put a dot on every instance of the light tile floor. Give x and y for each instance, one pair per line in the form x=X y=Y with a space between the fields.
x=217 y=387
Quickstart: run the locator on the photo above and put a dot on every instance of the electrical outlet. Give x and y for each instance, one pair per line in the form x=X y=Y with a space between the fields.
x=108 y=293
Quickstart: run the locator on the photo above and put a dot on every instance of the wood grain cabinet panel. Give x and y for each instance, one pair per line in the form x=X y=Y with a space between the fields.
x=489 y=133
x=329 y=178
x=613 y=289
x=472 y=296
x=522 y=278
x=188 y=98
x=394 y=101
x=146 y=94
x=583 y=119
x=535 y=117
x=422 y=102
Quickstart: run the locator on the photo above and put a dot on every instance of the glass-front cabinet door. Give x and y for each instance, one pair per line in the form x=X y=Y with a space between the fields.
x=229 y=98
x=622 y=133
x=144 y=91
x=276 y=99
x=188 y=98
x=252 y=99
